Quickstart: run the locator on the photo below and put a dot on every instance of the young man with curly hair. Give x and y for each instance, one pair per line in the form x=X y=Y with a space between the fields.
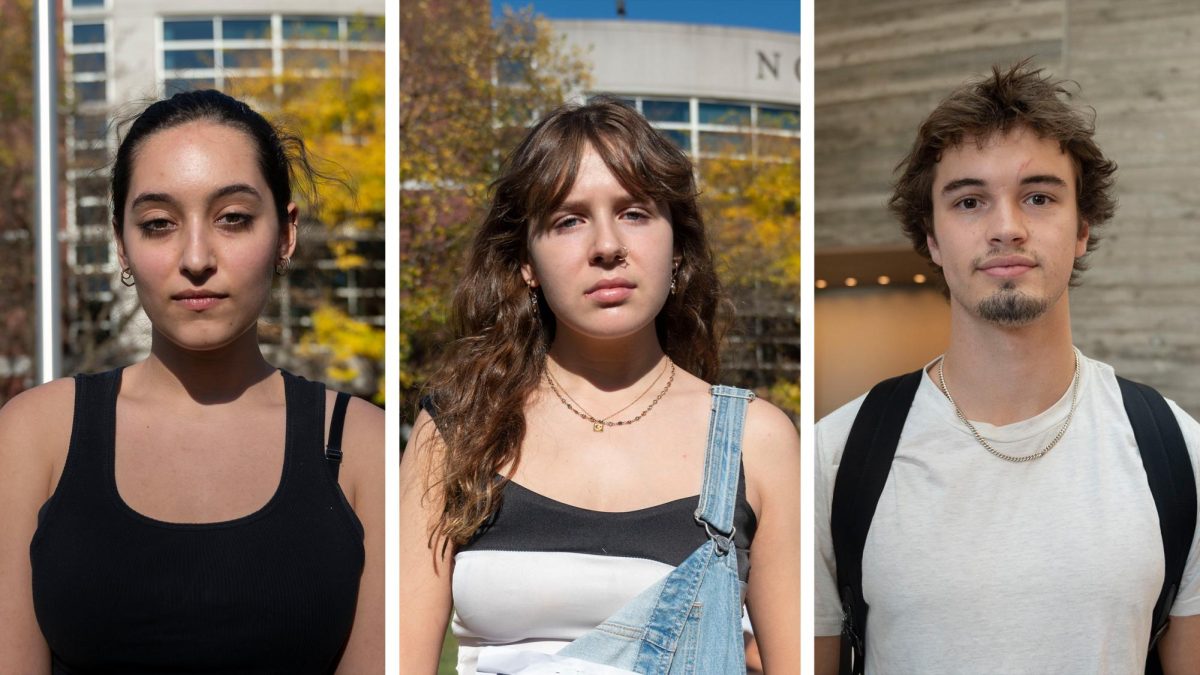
x=1016 y=527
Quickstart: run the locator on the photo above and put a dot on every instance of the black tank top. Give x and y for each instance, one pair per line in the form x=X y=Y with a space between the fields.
x=270 y=592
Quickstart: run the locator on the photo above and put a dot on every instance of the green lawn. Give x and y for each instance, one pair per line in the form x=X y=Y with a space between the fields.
x=449 y=656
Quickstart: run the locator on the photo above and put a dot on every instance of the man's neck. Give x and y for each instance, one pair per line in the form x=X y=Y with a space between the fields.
x=1003 y=375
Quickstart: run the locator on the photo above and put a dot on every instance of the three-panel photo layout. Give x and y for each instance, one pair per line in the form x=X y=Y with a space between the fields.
x=599 y=337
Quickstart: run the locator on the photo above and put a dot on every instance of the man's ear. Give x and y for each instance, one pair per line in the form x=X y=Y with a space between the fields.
x=934 y=252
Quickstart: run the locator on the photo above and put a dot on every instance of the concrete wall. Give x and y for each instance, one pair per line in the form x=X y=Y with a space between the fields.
x=671 y=59
x=880 y=67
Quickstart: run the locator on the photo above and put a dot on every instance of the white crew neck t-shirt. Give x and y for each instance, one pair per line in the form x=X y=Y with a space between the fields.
x=978 y=565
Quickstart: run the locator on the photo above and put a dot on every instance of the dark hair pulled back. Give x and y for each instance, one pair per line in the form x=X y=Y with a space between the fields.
x=281 y=156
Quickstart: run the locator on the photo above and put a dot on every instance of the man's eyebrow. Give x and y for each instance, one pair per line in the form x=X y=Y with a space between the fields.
x=1047 y=179
x=962 y=183
x=1039 y=179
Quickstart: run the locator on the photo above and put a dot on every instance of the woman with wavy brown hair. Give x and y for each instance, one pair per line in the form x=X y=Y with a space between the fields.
x=575 y=488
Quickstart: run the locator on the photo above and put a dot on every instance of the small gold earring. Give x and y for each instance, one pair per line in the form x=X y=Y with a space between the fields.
x=127 y=278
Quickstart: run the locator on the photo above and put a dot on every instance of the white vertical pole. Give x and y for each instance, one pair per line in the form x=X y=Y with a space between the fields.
x=45 y=76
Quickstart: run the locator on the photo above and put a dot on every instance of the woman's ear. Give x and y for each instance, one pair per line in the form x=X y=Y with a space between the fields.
x=121 y=259
x=287 y=238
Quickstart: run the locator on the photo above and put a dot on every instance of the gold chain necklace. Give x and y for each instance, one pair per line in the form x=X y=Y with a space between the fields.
x=987 y=446
x=599 y=424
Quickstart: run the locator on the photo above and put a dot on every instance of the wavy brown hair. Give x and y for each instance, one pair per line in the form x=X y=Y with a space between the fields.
x=1020 y=96
x=498 y=355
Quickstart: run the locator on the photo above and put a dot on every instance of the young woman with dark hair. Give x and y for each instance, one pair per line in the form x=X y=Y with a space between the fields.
x=201 y=510
x=573 y=485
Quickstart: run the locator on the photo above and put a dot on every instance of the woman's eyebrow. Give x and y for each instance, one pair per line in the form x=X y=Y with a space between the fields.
x=236 y=188
x=165 y=198
x=152 y=197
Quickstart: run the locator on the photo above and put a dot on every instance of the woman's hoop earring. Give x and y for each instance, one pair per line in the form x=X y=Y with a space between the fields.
x=283 y=266
x=127 y=278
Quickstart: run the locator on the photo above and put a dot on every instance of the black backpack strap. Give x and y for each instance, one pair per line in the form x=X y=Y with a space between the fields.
x=862 y=473
x=333 y=450
x=1173 y=484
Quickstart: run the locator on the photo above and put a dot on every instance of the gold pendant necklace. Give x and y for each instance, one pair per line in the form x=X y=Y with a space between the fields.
x=599 y=424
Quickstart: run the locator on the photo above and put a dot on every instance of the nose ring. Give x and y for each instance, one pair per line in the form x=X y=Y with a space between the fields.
x=623 y=254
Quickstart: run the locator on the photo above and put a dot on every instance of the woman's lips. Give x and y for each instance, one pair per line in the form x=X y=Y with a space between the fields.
x=610 y=294
x=609 y=291
x=198 y=302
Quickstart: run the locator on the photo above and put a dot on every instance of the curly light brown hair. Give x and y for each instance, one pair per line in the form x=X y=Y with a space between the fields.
x=1019 y=97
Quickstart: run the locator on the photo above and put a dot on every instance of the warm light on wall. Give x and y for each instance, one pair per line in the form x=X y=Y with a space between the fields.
x=821 y=283
x=851 y=282
x=884 y=280
x=919 y=278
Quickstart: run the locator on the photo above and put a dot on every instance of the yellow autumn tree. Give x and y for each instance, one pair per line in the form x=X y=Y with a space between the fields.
x=752 y=206
x=339 y=112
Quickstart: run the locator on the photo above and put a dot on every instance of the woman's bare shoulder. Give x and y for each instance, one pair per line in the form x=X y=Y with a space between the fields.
x=43 y=411
x=770 y=454
x=35 y=426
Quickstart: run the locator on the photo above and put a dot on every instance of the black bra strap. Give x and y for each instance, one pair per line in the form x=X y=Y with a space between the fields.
x=333 y=451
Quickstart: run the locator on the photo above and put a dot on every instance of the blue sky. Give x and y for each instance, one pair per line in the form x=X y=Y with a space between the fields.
x=781 y=15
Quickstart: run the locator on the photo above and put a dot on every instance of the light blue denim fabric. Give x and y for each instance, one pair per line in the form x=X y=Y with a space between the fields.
x=689 y=623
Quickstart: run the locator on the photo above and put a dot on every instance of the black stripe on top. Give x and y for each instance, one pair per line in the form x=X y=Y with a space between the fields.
x=667 y=533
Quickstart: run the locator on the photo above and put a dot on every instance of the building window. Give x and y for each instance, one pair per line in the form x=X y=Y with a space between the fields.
x=681 y=138
x=89 y=62
x=310 y=28
x=728 y=114
x=187 y=30
x=246 y=29
x=180 y=59
x=702 y=128
x=246 y=58
x=178 y=85
x=87 y=33
x=722 y=143
x=91 y=92
x=365 y=29
x=91 y=253
x=657 y=110
x=221 y=51
x=778 y=118
x=311 y=59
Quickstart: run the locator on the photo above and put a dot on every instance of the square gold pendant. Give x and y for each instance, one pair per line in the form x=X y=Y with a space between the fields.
x=598 y=426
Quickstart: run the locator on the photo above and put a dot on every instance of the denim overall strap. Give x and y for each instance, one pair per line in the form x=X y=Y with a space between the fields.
x=722 y=463
x=688 y=623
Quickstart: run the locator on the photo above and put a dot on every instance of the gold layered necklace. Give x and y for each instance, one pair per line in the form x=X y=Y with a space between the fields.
x=988 y=446
x=598 y=424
